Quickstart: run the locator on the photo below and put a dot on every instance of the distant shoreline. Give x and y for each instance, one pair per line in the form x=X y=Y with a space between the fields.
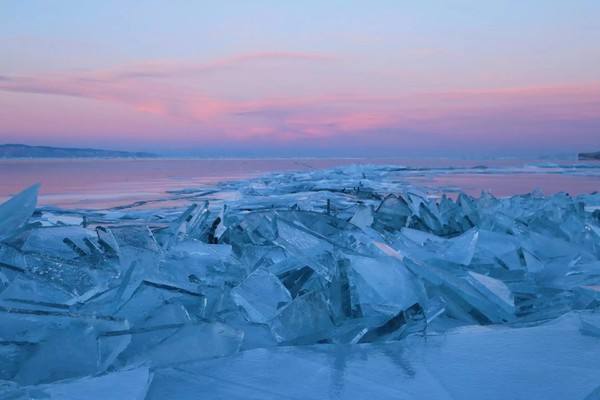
x=594 y=156
x=16 y=151
x=26 y=152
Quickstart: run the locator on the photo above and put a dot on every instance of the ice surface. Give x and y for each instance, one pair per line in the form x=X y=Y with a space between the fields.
x=343 y=283
x=551 y=361
x=123 y=385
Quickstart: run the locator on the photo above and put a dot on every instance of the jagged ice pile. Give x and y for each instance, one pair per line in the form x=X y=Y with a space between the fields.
x=345 y=283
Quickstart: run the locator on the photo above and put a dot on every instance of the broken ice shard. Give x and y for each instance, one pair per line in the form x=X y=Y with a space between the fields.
x=15 y=212
x=260 y=296
x=59 y=241
x=307 y=319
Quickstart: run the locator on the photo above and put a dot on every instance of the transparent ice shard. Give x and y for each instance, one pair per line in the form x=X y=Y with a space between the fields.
x=217 y=228
x=500 y=248
x=33 y=293
x=405 y=322
x=393 y=213
x=12 y=259
x=466 y=298
x=420 y=237
x=300 y=239
x=187 y=225
x=261 y=295
x=64 y=344
x=383 y=286
x=139 y=254
x=363 y=217
x=68 y=275
x=149 y=297
x=202 y=251
x=15 y=212
x=296 y=279
x=50 y=218
x=65 y=242
x=135 y=236
x=307 y=319
x=426 y=217
x=168 y=344
x=468 y=209
x=495 y=290
x=255 y=334
x=427 y=246
x=461 y=249
x=107 y=241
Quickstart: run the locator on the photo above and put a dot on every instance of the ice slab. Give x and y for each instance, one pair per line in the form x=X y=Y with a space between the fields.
x=261 y=295
x=307 y=319
x=15 y=212
x=174 y=343
x=64 y=242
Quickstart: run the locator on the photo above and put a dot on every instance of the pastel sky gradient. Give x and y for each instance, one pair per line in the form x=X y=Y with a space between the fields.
x=387 y=78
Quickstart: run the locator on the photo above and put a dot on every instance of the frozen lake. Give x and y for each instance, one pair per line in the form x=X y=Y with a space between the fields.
x=99 y=183
x=353 y=277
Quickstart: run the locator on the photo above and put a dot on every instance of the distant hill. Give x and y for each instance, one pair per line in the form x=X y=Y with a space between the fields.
x=589 y=156
x=24 y=151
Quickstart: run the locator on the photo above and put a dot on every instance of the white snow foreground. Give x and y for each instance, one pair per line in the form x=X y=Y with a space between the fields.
x=344 y=283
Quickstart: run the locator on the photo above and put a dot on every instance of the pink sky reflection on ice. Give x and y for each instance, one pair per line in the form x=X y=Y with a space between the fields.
x=107 y=183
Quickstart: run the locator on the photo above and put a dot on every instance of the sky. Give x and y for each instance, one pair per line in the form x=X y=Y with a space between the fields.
x=460 y=78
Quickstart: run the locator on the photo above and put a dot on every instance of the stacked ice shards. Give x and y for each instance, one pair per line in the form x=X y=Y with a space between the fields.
x=342 y=283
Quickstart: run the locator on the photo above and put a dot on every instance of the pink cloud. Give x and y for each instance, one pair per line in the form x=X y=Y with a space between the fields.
x=182 y=68
x=163 y=89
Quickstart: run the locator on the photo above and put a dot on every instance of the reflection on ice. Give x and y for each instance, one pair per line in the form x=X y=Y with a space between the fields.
x=471 y=363
x=345 y=283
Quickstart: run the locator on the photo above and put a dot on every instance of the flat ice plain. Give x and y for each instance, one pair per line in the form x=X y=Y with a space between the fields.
x=347 y=283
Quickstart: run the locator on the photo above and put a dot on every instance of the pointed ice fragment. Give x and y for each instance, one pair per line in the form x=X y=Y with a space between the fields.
x=383 y=286
x=462 y=248
x=495 y=290
x=187 y=224
x=363 y=217
x=15 y=212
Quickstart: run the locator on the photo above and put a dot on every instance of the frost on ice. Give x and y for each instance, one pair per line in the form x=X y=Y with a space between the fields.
x=344 y=283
